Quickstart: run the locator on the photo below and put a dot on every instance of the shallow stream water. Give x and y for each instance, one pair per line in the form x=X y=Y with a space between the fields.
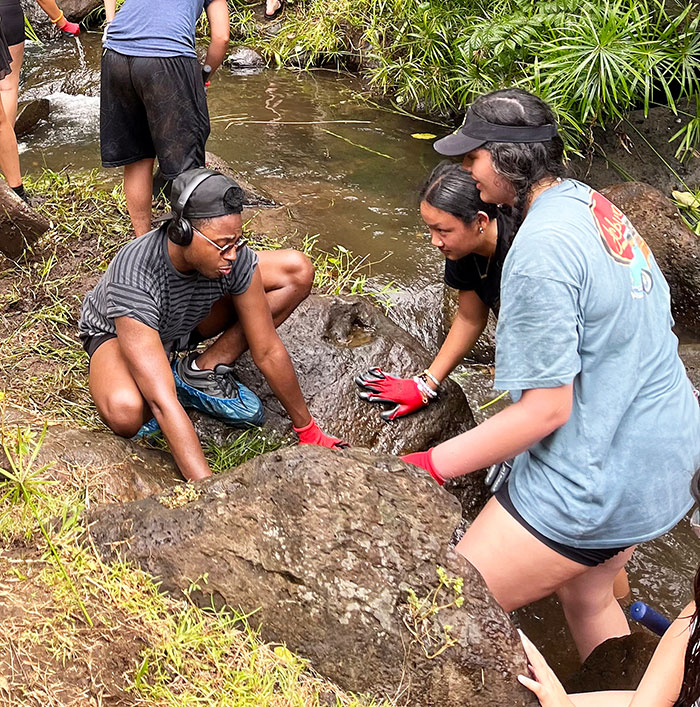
x=352 y=183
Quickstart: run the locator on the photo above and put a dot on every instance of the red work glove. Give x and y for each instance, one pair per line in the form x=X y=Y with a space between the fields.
x=425 y=461
x=70 y=28
x=311 y=434
x=408 y=394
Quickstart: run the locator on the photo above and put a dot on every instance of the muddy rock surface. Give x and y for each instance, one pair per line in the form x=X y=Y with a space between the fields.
x=616 y=664
x=20 y=225
x=330 y=547
x=675 y=247
x=332 y=339
x=634 y=149
x=690 y=355
x=122 y=470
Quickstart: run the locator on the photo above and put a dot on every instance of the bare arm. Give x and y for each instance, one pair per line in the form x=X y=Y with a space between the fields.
x=217 y=13
x=51 y=9
x=537 y=414
x=110 y=9
x=662 y=680
x=659 y=687
x=268 y=351
x=472 y=315
x=149 y=366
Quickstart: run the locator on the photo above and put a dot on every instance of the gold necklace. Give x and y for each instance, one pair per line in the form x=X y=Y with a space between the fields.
x=482 y=275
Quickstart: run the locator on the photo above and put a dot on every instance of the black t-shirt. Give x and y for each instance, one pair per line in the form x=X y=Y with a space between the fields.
x=477 y=273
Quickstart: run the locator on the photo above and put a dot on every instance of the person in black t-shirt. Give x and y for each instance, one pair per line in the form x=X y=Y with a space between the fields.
x=473 y=236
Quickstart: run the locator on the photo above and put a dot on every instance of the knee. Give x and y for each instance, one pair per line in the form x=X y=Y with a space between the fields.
x=123 y=413
x=300 y=271
x=590 y=601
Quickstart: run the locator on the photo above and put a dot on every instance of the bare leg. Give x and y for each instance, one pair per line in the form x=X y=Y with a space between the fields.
x=287 y=278
x=271 y=6
x=9 y=86
x=621 y=588
x=9 y=157
x=117 y=397
x=519 y=569
x=590 y=607
x=138 y=189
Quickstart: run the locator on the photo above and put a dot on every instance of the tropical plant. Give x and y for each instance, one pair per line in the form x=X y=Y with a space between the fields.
x=593 y=60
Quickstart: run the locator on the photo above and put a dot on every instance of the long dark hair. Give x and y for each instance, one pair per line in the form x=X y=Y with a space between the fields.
x=451 y=189
x=690 y=690
x=522 y=164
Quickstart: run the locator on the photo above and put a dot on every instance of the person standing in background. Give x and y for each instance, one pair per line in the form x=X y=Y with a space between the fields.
x=153 y=98
x=11 y=57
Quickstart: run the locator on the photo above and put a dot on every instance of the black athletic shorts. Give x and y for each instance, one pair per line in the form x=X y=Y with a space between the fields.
x=12 y=21
x=589 y=557
x=153 y=107
x=93 y=342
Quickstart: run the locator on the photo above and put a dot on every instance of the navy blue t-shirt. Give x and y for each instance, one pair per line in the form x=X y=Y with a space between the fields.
x=155 y=27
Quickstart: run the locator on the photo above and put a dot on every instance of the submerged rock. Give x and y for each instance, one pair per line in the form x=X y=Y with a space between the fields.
x=616 y=664
x=30 y=114
x=251 y=195
x=332 y=339
x=20 y=224
x=339 y=552
x=675 y=247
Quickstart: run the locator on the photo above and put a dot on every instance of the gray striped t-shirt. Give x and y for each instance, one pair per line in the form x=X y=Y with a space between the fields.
x=142 y=283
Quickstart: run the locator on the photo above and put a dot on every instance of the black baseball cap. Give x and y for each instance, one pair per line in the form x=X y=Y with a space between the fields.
x=214 y=194
x=476 y=132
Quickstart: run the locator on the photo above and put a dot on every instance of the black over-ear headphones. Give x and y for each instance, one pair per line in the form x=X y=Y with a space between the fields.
x=180 y=229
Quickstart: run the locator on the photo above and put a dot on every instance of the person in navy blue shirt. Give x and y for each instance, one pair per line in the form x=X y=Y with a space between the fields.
x=153 y=94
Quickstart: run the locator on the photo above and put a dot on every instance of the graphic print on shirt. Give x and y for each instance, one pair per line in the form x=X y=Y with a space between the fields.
x=623 y=243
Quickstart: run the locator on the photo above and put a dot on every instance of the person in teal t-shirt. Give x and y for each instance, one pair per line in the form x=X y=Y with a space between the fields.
x=605 y=428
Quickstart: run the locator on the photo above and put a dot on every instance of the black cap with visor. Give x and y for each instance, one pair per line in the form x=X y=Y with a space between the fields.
x=476 y=132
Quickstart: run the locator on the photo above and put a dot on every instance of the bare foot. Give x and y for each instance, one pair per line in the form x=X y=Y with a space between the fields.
x=273 y=8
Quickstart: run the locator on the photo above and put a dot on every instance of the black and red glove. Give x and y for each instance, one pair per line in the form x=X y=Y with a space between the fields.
x=70 y=28
x=312 y=434
x=407 y=394
x=425 y=461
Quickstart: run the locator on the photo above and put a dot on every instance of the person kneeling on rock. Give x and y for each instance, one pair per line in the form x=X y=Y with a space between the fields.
x=473 y=236
x=191 y=279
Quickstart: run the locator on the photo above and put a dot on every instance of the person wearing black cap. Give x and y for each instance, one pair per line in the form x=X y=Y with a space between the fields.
x=190 y=280
x=605 y=427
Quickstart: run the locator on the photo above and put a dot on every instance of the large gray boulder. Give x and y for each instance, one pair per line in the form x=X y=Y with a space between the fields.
x=340 y=552
x=74 y=10
x=20 y=225
x=675 y=247
x=332 y=339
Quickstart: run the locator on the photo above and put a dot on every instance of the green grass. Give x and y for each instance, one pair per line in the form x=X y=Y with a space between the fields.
x=66 y=612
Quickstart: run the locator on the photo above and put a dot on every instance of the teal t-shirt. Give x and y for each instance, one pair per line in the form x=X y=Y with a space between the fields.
x=583 y=300
x=155 y=27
